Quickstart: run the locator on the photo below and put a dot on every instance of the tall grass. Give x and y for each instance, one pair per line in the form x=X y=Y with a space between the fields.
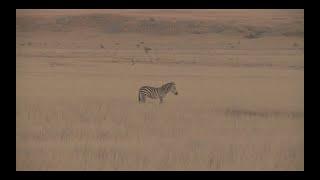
x=123 y=135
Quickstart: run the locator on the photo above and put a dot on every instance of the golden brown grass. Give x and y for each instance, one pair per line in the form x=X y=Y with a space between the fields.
x=88 y=124
x=240 y=104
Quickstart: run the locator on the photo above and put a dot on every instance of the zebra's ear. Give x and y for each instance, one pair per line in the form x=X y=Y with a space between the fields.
x=173 y=83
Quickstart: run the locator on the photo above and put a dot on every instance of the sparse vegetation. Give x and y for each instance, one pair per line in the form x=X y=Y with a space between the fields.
x=147 y=49
x=252 y=35
x=152 y=19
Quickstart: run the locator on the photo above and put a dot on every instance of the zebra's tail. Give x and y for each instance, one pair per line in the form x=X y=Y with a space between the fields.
x=139 y=97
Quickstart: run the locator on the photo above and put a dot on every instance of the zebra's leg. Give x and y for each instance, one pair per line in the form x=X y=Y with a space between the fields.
x=161 y=100
x=143 y=99
x=139 y=97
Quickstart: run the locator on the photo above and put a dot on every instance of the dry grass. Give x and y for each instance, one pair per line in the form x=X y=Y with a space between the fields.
x=87 y=124
x=91 y=134
x=240 y=104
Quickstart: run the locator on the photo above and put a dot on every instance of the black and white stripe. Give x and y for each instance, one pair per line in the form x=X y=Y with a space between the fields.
x=154 y=93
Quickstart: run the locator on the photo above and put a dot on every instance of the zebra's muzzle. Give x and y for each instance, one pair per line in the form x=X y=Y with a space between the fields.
x=176 y=93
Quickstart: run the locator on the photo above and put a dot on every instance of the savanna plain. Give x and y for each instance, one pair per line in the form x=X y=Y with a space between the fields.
x=239 y=74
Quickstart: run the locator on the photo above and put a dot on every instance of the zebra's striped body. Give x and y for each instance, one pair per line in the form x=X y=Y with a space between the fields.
x=154 y=93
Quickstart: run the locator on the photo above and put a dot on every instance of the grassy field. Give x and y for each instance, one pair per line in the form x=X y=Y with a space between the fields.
x=241 y=90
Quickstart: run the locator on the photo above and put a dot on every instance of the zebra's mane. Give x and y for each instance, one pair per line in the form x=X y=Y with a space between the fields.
x=169 y=84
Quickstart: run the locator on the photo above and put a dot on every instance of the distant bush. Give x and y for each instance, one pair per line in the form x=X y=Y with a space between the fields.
x=63 y=20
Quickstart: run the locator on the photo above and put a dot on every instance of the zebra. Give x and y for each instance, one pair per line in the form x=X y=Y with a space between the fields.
x=154 y=93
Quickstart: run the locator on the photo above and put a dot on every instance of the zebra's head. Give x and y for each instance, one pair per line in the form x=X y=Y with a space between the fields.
x=173 y=88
